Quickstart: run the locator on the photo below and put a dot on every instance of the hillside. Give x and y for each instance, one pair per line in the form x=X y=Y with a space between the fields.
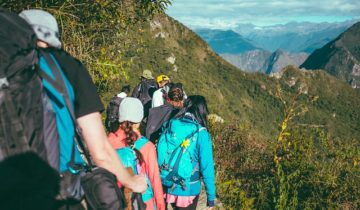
x=116 y=52
x=289 y=141
x=265 y=61
x=340 y=57
x=234 y=94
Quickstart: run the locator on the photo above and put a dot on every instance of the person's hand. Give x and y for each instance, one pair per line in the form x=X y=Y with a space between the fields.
x=138 y=183
x=210 y=208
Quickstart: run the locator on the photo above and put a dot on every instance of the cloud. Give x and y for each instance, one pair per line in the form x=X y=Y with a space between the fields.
x=229 y=13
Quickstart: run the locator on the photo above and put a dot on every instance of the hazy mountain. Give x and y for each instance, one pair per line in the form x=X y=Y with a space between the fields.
x=340 y=57
x=293 y=36
x=226 y=41
x=244 y=51
x=251 y=61
x=279 y=59
x=265 y=61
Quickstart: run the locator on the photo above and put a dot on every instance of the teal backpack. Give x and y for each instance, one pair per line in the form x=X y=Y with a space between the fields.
x=176 y=151
x=128 y=158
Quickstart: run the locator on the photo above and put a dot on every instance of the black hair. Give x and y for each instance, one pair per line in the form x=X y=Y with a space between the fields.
x=197 y=106
x=126 y=89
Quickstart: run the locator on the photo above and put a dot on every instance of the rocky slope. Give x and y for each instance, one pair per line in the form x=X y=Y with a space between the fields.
x=251 y=61
x=340 y=57
x=279 y=59
x=248 y=97
x=265 y=61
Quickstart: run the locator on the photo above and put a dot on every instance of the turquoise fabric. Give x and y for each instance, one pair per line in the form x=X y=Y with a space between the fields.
x=64 y=123
x=197 y=158
x=128 y=158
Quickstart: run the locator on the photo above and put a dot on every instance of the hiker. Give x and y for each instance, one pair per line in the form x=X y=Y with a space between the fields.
x=185 y=155
x=160 y=94
x=86 y=103
x=145 y=90
x=158 y=115
x=125 y=91
x=137 y=152
x=112 y=110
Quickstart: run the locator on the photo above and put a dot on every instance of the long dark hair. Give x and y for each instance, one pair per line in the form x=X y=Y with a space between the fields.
x=196 y=105
x=131 y=137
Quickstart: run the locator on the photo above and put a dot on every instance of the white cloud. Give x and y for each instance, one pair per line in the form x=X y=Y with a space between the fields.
x=227 y=13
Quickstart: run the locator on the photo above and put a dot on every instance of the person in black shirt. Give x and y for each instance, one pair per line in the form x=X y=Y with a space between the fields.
x=145 y=90
x=87 y=102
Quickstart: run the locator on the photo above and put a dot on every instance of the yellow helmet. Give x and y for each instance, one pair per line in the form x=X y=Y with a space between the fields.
x=161 y=78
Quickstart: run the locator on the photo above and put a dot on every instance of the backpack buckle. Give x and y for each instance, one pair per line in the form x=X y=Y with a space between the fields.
x=164 y=166
x=4 y=83
x=178 y=181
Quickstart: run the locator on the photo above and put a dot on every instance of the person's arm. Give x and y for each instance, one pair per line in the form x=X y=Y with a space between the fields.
x=207 y=166
x=152 y=171
x=104 y=155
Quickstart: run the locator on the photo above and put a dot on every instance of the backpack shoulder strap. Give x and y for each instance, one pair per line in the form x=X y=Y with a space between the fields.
x=164 y=93
x=201 y=129
x=18 y=142
x=176 y=165
x=140 y=142
x=59 y=85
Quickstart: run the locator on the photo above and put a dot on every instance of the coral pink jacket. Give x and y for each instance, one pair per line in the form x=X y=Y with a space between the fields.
x=149 y=167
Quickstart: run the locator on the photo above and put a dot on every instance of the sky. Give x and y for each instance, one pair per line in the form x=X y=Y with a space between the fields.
x=226 y=14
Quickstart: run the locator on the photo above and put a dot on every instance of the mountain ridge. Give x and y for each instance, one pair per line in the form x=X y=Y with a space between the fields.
x=340 y=57
x=267 y=155
x=265 y=61
x=116 y=52
x=293 y=37
x=226 y=41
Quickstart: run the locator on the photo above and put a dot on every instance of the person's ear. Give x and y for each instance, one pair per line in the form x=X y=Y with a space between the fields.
x=136 y=126
x=42 y=44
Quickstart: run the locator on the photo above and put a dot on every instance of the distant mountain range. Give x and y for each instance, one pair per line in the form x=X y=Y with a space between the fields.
x=270 y=48
x=340 y=57
x=227 y=41
x=293 y=36
x=265 y=61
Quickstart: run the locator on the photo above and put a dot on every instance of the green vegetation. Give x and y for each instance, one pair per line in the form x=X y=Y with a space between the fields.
x=313 y=166
x=304 y=168
x=118 y=39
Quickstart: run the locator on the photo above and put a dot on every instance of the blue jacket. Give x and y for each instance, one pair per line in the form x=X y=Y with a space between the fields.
x=203 y=156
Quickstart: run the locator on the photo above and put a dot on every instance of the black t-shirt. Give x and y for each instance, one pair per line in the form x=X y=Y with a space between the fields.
x=87 y=99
